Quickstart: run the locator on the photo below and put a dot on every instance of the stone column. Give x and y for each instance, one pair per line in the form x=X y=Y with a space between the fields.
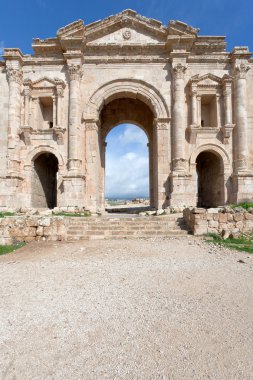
x=241 y=116
x=162 y=169
x=15 y=77
x=74 y=162
x=178 y=117
x=93 y=165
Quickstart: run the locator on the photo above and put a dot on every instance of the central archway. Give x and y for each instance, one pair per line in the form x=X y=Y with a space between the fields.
x=129 y=111
x=127 y=101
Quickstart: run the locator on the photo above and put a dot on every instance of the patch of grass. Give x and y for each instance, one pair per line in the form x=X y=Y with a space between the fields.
x=79 y=214
x=242 y=243
x=3 y=214
x=10 y=248
x=245 y=205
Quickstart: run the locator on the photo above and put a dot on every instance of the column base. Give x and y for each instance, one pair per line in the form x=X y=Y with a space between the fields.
x=183 y=190
x=74 y=166
x=243 y=187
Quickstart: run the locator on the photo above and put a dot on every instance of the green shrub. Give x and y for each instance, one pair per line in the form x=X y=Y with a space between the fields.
x=10 y=248
x=241 y=243
x=3 y=214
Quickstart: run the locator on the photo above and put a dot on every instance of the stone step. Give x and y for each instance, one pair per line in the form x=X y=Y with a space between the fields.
x=128 y=224
x=126 y=232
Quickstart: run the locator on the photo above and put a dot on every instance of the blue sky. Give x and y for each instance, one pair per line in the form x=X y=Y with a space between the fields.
x=23 y=20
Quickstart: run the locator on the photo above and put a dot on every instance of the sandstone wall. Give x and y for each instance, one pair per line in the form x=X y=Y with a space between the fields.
x=23 y=228
x=224 y=222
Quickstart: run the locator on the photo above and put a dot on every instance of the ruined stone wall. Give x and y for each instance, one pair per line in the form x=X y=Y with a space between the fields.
x=23 y=228
x=219 y=221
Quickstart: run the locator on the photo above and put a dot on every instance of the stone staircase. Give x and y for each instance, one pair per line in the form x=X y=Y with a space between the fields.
x=125 y=226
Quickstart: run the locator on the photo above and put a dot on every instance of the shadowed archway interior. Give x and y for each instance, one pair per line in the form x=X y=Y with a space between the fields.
x=44 y=181
x=210 y=174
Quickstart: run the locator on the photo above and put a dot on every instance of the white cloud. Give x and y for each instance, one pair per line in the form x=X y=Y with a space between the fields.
x=132 y=135
x=127 y=163
x=130 y=156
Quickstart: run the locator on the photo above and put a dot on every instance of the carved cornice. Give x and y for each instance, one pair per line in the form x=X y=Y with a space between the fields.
x=14 y=75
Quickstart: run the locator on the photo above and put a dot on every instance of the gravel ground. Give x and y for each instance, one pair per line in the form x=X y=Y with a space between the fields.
x=126 y=309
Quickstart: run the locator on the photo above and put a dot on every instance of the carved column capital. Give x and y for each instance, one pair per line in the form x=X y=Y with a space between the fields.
x=241 y=70
x=179 y=70
x=75 y=71
x=92 y=125
x=14 y=75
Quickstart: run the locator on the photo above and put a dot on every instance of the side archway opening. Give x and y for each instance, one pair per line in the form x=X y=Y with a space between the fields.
x=210 y=179
x=44 y=181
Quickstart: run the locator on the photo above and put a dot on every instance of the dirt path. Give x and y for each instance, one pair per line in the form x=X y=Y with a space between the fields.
x=126 y=309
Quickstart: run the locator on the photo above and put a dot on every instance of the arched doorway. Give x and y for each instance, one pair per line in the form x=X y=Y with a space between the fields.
x=210 y=179
x=127 y=164
x=44 y=181
x=128 y=111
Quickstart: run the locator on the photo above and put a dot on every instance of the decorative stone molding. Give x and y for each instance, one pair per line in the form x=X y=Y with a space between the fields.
x=74 y=165
x=58 y=134
x=210 y=84
x=241 y=70
x=179 y=70
x=25 y=134
x=43 y=87
x=227 y=132
x=91 y=127
x=75 y=72
x=161 y=124
x=14 y=75
x=126 y=34
x=180 y=165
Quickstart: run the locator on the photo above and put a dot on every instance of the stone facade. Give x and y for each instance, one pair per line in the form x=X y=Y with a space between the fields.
x=193 y=99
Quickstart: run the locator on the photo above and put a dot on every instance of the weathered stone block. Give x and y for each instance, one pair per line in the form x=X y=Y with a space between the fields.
x=238 y=217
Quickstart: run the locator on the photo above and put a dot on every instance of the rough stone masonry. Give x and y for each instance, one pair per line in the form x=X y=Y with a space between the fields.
x=192 y=97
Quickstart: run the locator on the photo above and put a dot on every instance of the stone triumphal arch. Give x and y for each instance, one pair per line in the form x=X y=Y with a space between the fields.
x=192 y=98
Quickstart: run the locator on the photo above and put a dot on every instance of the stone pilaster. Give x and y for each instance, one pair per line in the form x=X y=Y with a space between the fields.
x=27 y=100
x=74 y=125
x=228 y=126
x=161 y=134
x=59 y=96
x=93 y=165
x=178 y=117
x=194 y=106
